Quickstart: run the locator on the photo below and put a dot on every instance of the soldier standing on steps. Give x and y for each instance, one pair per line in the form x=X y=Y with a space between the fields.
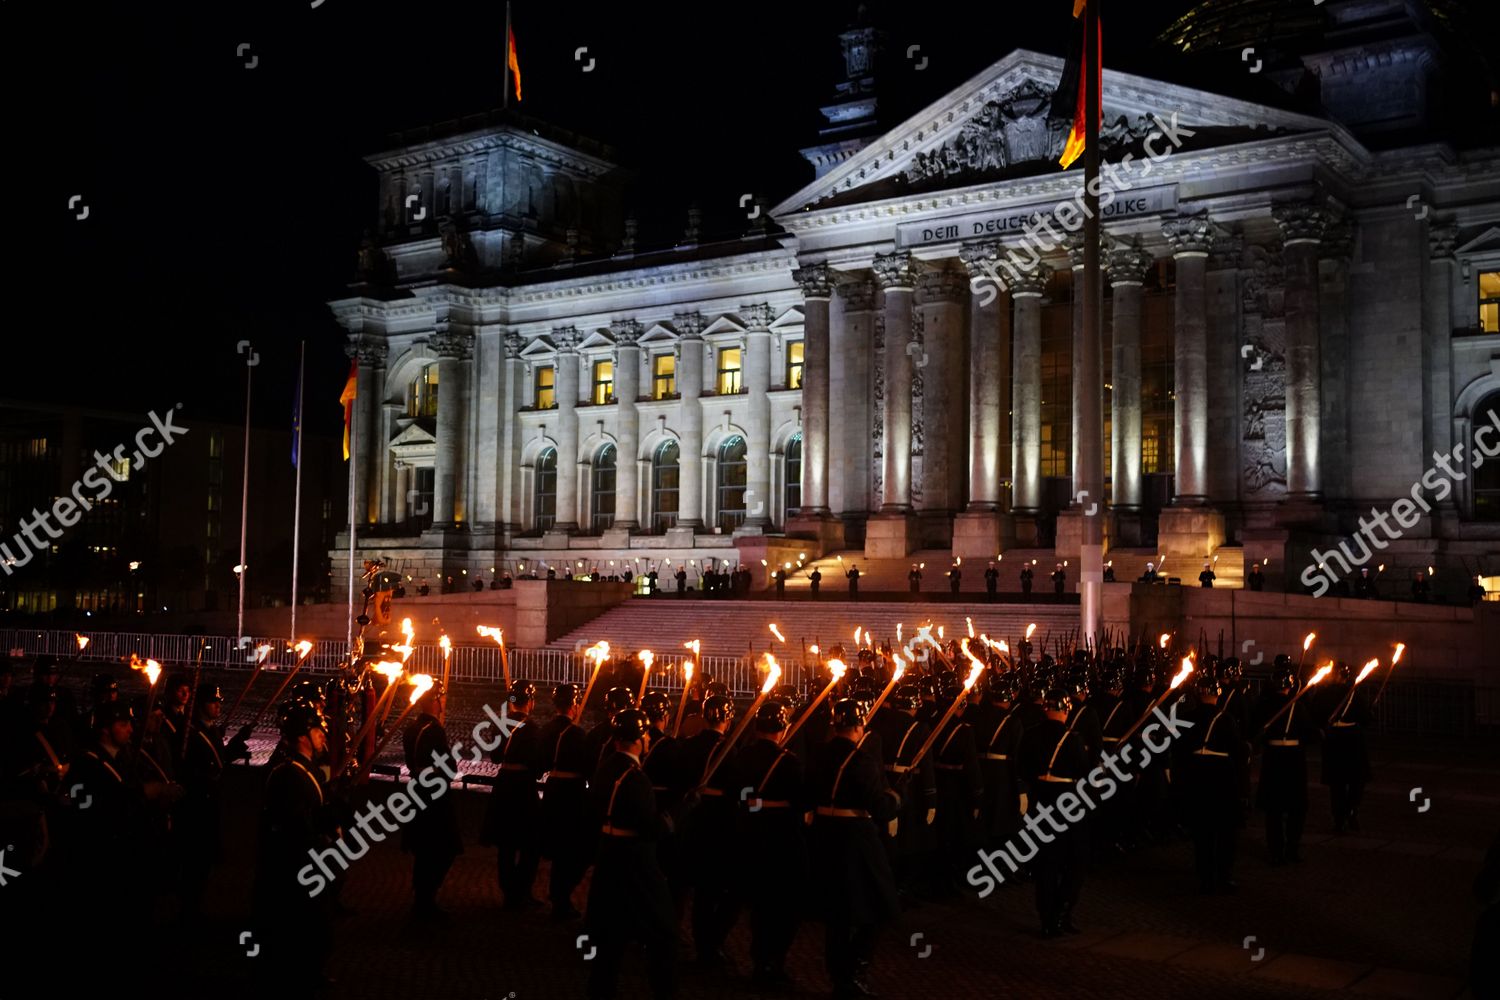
x=914 y=579
x=1027 y=574
x=815 y=579
x=853 y=576
x=991 y=581
x=1207 y=577
x=1059 y=579
x=955 y=576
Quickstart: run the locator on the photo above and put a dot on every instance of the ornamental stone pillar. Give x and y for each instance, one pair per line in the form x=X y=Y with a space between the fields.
x=1026 y=462
x=627 y=335
x=982 y=530
x=893 y=534
x=758 y=417
x=566 y=380
x=1127 y=268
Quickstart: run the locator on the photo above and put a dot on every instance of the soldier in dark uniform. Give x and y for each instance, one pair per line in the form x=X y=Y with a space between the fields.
x=706 y=805
x=597 y=742
x=771 y=843
x=991 y=581
x=1346 y=756
x=960 y=793
x=1210 y=756
x=914 y=579
x=780 y=576
x=1027 y=575
x=853 y=576
x=1059 y=579
x=199 y=816
x=565 y=837
x=432 y=836
x=1053 y=759
x=1206 y=578
x=292 y=915
x=1283 y=770
x=175 y=696
x=998 y=733
x=1255 y=578
x=513 y=814
x=852 y=876
x=1364 y=584
x=902 y=733
x=955 y=579
x=681 y=577
x=1420 y=588
x=651 y=579
x=628 y=895
x=1109 y=571
x=1112 y=825
x=815 y=580
x=1147 y=794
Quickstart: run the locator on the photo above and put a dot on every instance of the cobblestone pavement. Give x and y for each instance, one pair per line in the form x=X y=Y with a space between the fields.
x=1387 y=912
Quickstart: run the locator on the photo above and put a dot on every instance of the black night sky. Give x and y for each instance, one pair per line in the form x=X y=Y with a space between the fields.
x=226 y=202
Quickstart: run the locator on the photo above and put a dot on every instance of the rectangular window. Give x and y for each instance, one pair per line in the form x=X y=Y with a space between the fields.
x=729 y=371
x=794 y=364
x=546 y=387
x=1489 y=301
x=663 y=376
x=604 y=382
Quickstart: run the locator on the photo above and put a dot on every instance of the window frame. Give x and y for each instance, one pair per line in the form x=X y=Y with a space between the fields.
x=602 y=391
x=658 y=391
x=661 y=519
x=544 y=472
x=795 y=369
x=734 y=377
x=730 y=517
x=606 y=461
x=537 y=388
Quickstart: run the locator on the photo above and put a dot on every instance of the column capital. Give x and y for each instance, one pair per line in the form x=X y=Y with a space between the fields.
x=1338 y=240
x=366 y=350
x=514 y=344
x=1227 y=252
x=858 y=294
x=815 y=280
x=1189 y=234
x=1302 y=222
x=567 y=339
x=1031 y=281
x=450 y=345
x=982 y=260
x=1127 y=264
x=896 y=270
x=1442 y=238
x=941 y=286
x=688 y=325
x=626 y=332
x=757 y=316
x=1073 y=244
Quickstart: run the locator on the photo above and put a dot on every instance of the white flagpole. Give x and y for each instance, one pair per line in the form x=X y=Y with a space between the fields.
x=244 y=499
x=353 y=460
x=297 y=491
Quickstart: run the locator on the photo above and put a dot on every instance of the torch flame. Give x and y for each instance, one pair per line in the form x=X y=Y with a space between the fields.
x=777 y=632
x=647 y=657
x=303 y=648
x=1182 y=675
x=447 y=645
x=390 y=669
x=1166 y=637
x=83 y=641
x=900 y=668
x=262 y=651
x=940 y=631
x=420 y=684
x=1400 y=648
x=973 y=677
x=1030 y=630
x=150 y=668
x=1367 y=670
x=814 y=649
x=598 y=652
x=687 y=673
x=407 y=630
x=835 y=667
x=491 y=631
x=695 y=646
x=405 y=649
x=898 y=631
x=772 y=676
x=963 y=644
x=857 y=630
x=1323 y=672
x=1307 y=642
x=970 y=622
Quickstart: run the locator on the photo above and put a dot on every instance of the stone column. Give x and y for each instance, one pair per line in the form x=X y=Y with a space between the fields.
x=1225 y=335
x=816 y=281
x=981 y=530
x=512 y=397
x=628 y=429
x=1437 y=336
x=389 y=412
x=566 y=380
x=1128 y=265
x=850 y=398
x=1026 y=294
x=1073 y=244
x=486 y=395
x=690 y=387
x=1335 y=359
x=450 y=435
x=403 y=488
x=367 y=452
x=758 y=418
x=1302 y=227
x=943 y=362
x=893 y=534
x=1190 y=239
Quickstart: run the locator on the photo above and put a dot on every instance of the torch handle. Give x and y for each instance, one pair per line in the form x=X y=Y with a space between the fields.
x=244 y=691
x=726 y=745
x=364 y=769
x=942 y=724
x=807 y=712
x=256 y=718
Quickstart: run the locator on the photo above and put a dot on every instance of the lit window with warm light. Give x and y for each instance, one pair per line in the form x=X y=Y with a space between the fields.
x=663 y=376
x=546 y=387
x=730 y=366
x=421 y=395
x=1489 y=302
x=794 y=364
x=604 y=382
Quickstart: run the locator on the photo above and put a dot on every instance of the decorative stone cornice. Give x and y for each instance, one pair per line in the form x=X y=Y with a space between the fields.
x=858 y=294
x=447 y=344
x=688 y=325
x=514 y=343
x=1072 y=243
x=1127 y=264
x=757 y=316
x=1227 y=252
x=567 y=339
x=626 y=332
x=896 y=270
x=1030 y=281
x=367 y=351
x=1442 y=238
x=815 y=280
x=1302 y=222
x=982 y=260
x=1189 y=234
x=941 y=286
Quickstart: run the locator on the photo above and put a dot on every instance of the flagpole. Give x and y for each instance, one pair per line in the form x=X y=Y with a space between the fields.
x=1090 y=467
x=506 y=86
x=297 y=490
x=250 y=359
x=353 y=460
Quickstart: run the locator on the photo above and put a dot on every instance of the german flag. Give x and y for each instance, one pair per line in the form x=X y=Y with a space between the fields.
x=512 y=61
x=1069 y=99
x=347 y=398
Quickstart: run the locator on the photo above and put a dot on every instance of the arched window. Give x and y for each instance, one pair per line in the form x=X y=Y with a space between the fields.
x=732 y=483
x=546 y=490
x=422 y=394
x=1485 y=442
x=602 y=502
x=793 y=491
x=665 y=471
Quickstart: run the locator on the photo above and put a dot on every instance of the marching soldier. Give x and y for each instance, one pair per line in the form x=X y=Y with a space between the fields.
x=960 y=793
x=853 y=876
x=998 y=741
x=199 y=816
x=1053 y=760
x=565 y=837
x=628 y=895
x=1211 y=757
x=706 y=804
x=1346 y=756
x=772 y=844
x=514 y=810
x=295 y=822
x=600 y=738
x=1110 y=706
x=1283 y=770
x=657 y=762
x=902 y=733
x=432 y=837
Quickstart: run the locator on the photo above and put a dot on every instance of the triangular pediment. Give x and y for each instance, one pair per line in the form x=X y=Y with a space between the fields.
x=725 y=323
x=793 y=317
x=538 y=347
x=597 y=339
x=999 y=124
x=659 y=333
x=1486 y=242
x=415 y=436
